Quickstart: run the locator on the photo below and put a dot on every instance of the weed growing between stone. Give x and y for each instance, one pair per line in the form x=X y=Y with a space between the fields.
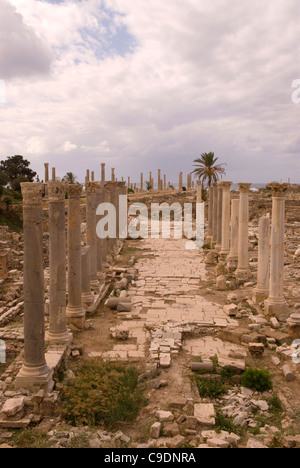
x=102 y=393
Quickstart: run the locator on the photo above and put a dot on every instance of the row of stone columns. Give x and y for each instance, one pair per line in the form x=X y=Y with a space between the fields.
x=228 y=230
x=84 y=268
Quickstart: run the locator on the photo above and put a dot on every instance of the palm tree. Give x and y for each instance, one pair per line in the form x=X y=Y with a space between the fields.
x=70 y=178
x=207 y=170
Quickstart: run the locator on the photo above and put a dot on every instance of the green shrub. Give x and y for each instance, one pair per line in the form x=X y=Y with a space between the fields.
x=102 y=393
x=210 y=388
x=259 y=380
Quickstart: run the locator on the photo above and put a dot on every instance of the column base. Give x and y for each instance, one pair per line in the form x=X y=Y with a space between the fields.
x=76 y=317
x=224 y=254
x=95 y=285
x=218 y=247
x=35 y=379
x=59 y=338
x=243 y=276
x=87 y=298
x=260 y=295
x=279 y=309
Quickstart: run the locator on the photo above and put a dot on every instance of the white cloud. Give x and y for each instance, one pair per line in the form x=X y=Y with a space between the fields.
x=68 y=146
x=204 y=76
x=22 y=52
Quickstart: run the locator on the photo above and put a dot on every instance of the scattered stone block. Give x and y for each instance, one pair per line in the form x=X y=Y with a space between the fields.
x=217 y=443
x=171 y=430
x=231 y=310
x=165 y=416
x=205 y=414
x=13 y=406
x=155 y=430
x=255 y=444
x=256 y=349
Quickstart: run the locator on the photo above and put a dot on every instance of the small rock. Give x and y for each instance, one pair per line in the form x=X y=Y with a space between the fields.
x=255 y=444
x=165 y=416
x=155 y=430
x=13 y=406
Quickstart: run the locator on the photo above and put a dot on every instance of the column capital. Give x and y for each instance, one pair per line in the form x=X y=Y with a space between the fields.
x=32 y=193
x=56 y=191
x=199 y=183
x=244 y=188
x=91 y=187
x=46 y=165
x=74 y=190
x=279 y=190
x=225 y=185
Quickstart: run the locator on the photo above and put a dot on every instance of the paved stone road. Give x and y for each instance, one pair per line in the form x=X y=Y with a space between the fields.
x=166 y=299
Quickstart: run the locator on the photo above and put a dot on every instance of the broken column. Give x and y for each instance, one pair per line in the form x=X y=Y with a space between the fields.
x=219 y=211
x=180 y=181
x=243 y=272
x=46 y=172
x=35 y=374
x=103 y=172
x=142 y=182
x=75 y=310
x=225 y=244
x=53 y=174
x=165 y=182
x=261 y=292
x=232 y=260
x=113 y=177
x=58 y=333
x=276 y=304
x=159 y=179
x=91 y=235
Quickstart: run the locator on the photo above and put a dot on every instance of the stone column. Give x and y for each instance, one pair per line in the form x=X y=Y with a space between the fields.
x=215 y=214
x=113 y=177
x=220 y=212
x=101 y=243
x=243 y=272
x=142 y=182
x=75 y=310
x=103 y=172
x=180 y=181
x=129 y=183
x=261 y=292
x=93 y=176
x=232 y=260
x=199 y=191
x=87 y=175
x=53 y=174
x=35 y=374
x=210 y=212
x=87 y=296
x=159 y=179
x=189 y=181
x=46 y=172
x=276 y=303
x=91 y=235
x=165 y=182
x=225 y=246
x=58 y=333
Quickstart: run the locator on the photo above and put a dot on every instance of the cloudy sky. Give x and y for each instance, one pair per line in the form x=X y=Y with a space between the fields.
x=144 y=84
